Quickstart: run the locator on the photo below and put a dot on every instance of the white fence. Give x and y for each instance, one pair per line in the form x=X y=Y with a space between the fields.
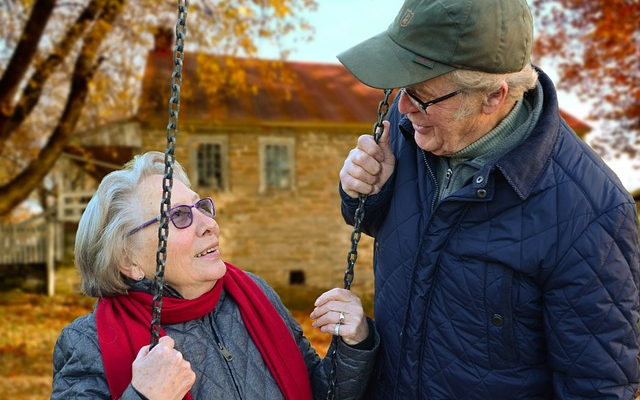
x=23 y=244
x=30 y=243
x=71 y=205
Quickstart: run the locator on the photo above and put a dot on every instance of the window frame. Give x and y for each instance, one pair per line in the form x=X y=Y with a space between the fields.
x=223 y=142
x=289 y=144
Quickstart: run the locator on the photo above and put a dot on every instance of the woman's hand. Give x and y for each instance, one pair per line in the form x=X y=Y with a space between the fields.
x=162 y=373
x=333 y=305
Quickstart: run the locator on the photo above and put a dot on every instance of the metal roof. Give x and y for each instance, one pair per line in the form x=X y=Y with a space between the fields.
x=321 y=94
x=300 y=93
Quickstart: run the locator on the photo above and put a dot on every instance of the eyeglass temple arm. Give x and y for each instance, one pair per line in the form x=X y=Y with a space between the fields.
x=151 y=221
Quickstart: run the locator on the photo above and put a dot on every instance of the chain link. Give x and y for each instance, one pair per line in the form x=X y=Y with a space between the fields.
x=163 y=230
x=383 y=109
x=169 y=159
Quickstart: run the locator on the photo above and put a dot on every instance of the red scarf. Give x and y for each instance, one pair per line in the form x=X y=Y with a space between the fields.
x=123 y=324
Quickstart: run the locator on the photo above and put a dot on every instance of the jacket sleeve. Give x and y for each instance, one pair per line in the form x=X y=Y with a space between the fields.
x=592 y=313
x=354 y=366
x=375 y=208
x=78 y=372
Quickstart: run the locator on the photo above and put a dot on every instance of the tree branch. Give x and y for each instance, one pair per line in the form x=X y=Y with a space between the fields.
x=22 y=56
x=33 y=89
x=85 y=67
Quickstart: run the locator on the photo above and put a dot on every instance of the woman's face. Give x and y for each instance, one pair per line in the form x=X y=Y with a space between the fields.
x=193 y=264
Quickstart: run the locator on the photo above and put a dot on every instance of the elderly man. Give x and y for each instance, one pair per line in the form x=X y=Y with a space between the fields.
x=506 y=252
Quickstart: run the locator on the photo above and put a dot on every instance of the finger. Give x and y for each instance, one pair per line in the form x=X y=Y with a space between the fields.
x=353 y=306
x=354 y=186
x=337 y=300
x=333 y=294
x=142 y=353
x=368 y=145
x=330 y=313
x=385 y=143
x=328 y=318
x=367 y=163
x=363 y=168
x=163 y=348
x=384 y=140
x=330 y=328
x=167 y=342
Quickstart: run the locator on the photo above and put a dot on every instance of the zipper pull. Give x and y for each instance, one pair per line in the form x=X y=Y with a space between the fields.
x=447 y=178
x=225 y=353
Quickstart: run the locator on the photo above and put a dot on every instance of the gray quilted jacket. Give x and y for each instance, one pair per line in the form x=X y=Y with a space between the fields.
x=78 y=371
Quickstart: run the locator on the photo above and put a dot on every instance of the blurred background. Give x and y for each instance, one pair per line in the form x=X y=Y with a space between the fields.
x=267 y=117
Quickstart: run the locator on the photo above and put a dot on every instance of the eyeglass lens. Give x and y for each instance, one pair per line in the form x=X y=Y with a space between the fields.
x=182 y=216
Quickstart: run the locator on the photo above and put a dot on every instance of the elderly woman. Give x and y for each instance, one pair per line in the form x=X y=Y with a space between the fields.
x=225 y=333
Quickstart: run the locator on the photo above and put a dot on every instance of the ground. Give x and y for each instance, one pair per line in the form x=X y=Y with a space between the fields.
x=31 y=324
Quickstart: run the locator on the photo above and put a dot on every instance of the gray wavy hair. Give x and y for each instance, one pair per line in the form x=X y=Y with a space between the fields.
x=102 y=241
x=485 y=84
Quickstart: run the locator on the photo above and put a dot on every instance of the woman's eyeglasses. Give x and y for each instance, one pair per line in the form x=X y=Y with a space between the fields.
x=182 y=215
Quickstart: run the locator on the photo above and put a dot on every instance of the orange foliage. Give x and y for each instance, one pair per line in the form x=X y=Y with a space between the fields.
x=596 y=44
x=79 y=67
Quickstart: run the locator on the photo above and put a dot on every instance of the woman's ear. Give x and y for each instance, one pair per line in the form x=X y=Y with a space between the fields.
x=132 y=271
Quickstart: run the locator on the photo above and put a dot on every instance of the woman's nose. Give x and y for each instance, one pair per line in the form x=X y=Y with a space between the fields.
x=205 y=224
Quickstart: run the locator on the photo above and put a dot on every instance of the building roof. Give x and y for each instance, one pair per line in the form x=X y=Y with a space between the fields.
x=580 y=127
x=301 y=93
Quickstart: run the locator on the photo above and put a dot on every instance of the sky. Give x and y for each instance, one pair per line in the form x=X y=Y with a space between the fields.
x=341 y=24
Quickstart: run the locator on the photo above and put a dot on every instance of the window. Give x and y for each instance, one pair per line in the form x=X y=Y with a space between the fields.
x=209 y=156
x=296 y=277
x=276 y=163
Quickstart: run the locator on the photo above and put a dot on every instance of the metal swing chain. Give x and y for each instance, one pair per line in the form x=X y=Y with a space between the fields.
x=169 y=158
x=383 y=109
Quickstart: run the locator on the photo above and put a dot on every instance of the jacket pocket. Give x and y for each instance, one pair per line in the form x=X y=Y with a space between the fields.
x=503 y=347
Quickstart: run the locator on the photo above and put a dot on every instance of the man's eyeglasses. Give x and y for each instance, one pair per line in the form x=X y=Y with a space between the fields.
x=421 y=105
x=182 y=215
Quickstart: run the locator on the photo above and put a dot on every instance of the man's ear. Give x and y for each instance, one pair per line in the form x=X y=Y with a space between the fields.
x=494 y=101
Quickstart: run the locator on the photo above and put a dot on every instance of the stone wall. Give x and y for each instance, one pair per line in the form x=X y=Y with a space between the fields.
x=283 y=235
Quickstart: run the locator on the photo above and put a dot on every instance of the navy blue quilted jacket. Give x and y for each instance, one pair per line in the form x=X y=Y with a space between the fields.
x=523 y=284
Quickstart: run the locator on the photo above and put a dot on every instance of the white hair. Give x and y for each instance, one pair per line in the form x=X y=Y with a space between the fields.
x=485 y=84
x=102 y=243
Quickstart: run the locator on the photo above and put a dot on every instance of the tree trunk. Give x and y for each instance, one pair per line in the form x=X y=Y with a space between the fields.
x=23 y=55
x=12 y=116
x=19 y=188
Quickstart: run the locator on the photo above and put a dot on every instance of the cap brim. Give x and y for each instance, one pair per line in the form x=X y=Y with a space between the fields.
x=380 y=63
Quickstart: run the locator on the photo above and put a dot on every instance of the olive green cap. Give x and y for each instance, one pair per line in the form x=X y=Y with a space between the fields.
x=429 y=38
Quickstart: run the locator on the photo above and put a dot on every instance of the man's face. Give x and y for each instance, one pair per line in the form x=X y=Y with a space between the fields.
x=449 y=125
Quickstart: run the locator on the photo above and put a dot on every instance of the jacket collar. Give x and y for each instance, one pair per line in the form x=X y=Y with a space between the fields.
x=523 y=166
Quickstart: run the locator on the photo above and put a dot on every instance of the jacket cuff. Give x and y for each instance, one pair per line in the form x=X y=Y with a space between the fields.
x=140 y=395
x=373 y=201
